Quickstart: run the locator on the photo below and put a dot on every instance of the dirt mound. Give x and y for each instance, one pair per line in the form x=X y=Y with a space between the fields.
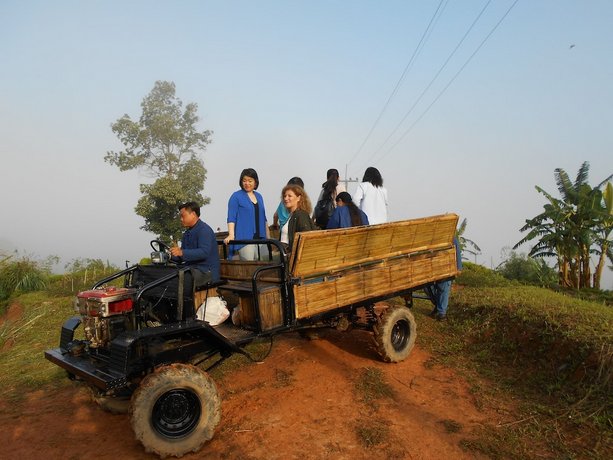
x=13 y=313
x=302 y=402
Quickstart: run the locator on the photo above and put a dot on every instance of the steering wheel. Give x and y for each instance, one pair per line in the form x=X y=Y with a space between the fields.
x=161 y=246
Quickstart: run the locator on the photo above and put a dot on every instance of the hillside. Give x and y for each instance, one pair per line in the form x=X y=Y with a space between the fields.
x=498 y=380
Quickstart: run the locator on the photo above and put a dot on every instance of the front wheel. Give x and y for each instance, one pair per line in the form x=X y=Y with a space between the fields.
x=175 y=410
x=395 y=334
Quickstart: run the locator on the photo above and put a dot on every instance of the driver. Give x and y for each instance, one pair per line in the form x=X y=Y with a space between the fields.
x=198 y=245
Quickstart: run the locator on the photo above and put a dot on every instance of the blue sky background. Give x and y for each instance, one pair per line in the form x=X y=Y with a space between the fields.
x=294 y=88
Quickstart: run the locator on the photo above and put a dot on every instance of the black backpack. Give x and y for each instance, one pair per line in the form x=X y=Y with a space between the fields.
x=323 y=210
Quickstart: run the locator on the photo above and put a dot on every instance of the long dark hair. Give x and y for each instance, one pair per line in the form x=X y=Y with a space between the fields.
x=373 y=176
x=354 y=211
x=330 y=184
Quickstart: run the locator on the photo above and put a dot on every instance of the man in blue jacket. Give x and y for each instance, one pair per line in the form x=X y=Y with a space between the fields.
x=198 y=245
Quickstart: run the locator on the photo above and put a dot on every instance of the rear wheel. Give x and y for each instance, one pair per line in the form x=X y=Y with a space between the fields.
x=395 y=334
x=175 y=410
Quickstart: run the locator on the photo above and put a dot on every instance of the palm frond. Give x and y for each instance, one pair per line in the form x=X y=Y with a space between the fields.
x=582 y=174
x=565 y=186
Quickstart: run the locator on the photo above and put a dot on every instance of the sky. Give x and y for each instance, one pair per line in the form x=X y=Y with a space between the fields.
x=464 y=106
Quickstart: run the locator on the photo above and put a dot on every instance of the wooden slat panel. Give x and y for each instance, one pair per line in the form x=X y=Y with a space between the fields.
x=331 y=250
x=271 y=313
x=361 y=283
x=242 y=270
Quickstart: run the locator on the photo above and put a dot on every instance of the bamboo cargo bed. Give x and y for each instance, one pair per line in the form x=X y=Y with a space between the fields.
x=331 y=269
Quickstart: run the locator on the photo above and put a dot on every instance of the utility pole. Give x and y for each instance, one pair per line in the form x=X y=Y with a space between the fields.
x=346 y=179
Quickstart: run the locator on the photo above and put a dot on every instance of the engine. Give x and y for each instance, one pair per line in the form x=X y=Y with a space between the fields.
x=105 y=313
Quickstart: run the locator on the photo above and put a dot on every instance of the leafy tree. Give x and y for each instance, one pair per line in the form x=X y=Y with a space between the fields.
x=573 y=228
x=165 y=144
x=603 y=233
x=554 y=239
x=466 y=245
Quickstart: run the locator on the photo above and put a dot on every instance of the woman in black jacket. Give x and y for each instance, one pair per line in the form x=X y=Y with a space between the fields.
x=298 y=204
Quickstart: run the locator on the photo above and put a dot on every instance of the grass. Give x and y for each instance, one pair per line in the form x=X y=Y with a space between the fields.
x=554 y=344
x=372 y=432
x=23 y=342
x=371 y=386
x=548 y=352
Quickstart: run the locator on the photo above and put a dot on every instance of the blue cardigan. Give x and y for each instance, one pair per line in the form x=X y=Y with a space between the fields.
x=341 y=218
x=241 y=212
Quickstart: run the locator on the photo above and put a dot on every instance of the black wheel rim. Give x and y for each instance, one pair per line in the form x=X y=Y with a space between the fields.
x=176 y=413
x=400 y=335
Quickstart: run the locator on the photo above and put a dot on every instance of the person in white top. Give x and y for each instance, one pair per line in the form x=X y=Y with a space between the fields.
x=371 y=196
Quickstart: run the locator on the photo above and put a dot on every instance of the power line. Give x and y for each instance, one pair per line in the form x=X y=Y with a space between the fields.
x=416 y=52
x=432 y=80
x=450 y=82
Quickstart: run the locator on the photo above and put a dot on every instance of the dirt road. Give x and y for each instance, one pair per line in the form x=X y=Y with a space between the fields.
x=302 y=402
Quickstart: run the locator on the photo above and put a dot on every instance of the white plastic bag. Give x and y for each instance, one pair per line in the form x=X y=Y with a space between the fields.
x=216 y=311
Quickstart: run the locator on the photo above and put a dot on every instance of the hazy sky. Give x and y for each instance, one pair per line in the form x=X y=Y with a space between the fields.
x=294 y=88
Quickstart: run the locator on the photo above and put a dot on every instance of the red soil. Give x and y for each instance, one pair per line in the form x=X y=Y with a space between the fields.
x=300 y=403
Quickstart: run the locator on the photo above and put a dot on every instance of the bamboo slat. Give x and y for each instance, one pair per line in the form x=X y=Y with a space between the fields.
x=332 y=250
x=379 y=280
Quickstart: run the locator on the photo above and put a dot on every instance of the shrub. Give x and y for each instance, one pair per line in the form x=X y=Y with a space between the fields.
x=24 y=275
x=478 y=276
x=528 y=270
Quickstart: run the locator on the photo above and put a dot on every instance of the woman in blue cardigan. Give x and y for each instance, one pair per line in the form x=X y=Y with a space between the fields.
x=346 y=214
x=247 y=218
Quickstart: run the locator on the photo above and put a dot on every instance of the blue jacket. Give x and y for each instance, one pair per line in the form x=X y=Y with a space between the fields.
x=200 y=249
x=341 y=218
x=241 y=212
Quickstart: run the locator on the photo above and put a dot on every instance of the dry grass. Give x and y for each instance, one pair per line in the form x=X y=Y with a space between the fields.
x=370 y=386
x=372 y=432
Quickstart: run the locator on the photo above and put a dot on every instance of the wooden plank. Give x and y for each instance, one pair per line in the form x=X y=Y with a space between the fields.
x=271 y=313
x=361 y=283
x=323 y=251
x=242 y=270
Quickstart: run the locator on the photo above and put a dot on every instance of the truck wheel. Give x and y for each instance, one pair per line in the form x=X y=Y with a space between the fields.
x=395 y=334
x=175 y=410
